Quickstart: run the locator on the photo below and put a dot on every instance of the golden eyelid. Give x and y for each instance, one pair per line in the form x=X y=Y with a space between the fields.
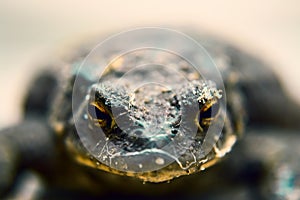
x=98 y=106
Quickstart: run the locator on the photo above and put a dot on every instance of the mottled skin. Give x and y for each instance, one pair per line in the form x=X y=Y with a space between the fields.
x=161 y=115
x=52 y=150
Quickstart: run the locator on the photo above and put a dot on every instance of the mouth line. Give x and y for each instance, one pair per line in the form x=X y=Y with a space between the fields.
x=159 y=158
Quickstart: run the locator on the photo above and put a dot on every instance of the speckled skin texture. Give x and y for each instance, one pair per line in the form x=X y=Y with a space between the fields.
x=244 y=174
x=142 y=119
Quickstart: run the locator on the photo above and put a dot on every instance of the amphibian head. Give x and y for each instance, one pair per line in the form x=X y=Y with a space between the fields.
x=149 y=115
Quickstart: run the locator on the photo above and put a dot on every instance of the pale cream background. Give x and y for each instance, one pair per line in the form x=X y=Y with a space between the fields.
x=31 y=31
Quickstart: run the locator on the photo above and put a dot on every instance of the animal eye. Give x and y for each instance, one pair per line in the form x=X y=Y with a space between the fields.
x=208 y=112
x=99 y=115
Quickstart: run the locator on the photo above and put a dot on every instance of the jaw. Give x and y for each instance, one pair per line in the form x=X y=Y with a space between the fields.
x=167 y=173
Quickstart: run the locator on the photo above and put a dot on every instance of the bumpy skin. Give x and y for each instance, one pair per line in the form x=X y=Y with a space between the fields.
x=33 y=145
x=161 y=115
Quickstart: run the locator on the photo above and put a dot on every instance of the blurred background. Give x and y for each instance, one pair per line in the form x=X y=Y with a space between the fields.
x=33 y=31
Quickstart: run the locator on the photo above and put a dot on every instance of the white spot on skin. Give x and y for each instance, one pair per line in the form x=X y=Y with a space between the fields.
x=209 y=92
x=159 y=161
x=218 y=94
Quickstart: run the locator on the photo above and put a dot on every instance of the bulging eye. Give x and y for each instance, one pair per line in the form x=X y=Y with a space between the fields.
x=208 y=113
x=99 y=115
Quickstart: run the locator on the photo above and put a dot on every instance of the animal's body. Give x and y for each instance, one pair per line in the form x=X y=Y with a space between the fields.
x=145 y=104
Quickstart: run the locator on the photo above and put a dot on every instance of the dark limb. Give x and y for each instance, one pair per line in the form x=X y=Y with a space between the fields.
x=267 y=103
x=30 y=144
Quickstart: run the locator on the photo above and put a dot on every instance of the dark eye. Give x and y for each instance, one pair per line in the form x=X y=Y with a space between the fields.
x=99 y=115
x=208 y=112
